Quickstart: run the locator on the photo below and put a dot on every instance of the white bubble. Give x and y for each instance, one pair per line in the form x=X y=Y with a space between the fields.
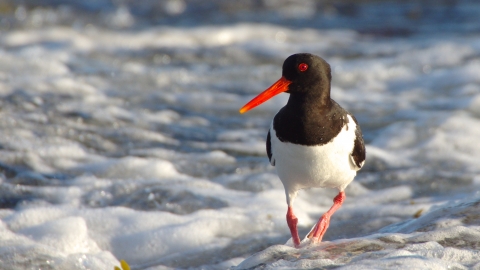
x=280 y=37
x=426 y=69
x=175 y=7
x=21 y=13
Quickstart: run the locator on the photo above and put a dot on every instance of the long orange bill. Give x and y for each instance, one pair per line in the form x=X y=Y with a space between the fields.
x=279 y=87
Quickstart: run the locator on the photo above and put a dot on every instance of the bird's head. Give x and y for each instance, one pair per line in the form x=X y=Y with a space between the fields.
x=302 y=74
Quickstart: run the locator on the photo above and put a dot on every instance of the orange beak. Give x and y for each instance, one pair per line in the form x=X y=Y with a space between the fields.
x=279 y=87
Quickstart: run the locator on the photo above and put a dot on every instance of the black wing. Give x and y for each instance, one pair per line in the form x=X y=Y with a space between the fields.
x=269 y=149
x=358 y=153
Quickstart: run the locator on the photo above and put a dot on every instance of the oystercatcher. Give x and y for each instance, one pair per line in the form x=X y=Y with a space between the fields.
x=312 y=141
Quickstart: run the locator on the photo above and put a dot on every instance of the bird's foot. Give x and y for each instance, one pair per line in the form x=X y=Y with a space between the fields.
x=320 y=229
x=292 y=221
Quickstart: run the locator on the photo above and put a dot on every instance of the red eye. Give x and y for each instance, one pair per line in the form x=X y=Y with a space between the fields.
x=302 y=67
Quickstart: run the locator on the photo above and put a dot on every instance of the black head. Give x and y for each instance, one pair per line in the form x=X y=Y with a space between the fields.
x=305 y=76
x=307 y=72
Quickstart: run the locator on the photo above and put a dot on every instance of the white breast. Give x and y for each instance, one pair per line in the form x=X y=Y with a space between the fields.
x=329 y=165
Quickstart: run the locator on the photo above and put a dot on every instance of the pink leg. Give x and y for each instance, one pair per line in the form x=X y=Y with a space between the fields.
x=324 y=221
x=292 y=221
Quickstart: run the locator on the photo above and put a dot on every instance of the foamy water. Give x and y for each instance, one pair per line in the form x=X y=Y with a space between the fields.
x=122 y=140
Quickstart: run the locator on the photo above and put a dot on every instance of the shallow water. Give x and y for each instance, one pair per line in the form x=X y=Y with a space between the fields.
x=121 y=137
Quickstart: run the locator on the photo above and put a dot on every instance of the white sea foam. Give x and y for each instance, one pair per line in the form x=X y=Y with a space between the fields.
x=127 y=144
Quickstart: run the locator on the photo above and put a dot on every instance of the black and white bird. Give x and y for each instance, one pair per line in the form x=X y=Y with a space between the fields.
x=312 y=141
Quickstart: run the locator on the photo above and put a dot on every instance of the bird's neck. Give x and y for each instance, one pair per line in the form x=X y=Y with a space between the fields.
x=310 y=100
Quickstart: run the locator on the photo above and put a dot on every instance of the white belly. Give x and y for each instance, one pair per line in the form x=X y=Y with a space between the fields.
x=329 y=165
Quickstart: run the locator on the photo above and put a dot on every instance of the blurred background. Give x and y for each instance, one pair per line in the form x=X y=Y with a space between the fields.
x=383 y=18
x=120 y=136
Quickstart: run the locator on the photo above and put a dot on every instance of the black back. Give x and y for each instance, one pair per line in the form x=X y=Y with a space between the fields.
x=358 y=152
x=269 y=149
